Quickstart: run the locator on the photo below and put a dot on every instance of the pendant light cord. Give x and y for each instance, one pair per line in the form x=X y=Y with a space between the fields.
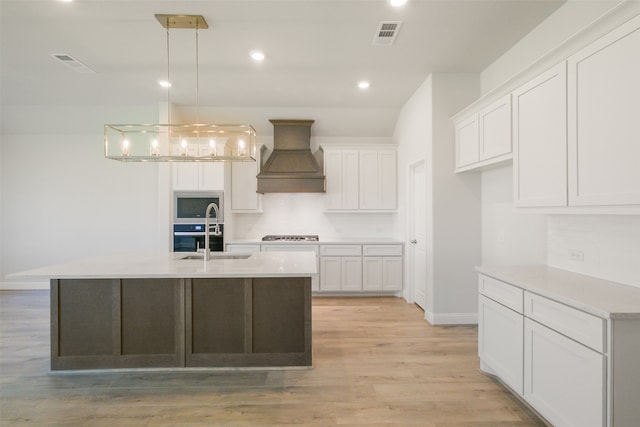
x=197 y=79
x=168 y=79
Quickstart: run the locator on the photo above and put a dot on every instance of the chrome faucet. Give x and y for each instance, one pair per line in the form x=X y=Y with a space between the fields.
x=207 y=228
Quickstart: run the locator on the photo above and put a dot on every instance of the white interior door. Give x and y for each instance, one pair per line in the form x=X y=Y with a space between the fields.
x=418 y=238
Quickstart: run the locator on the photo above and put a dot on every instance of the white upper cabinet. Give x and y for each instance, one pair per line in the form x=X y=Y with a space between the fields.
x=495 y=129
x=540 y=140
x=198 y=176
x=360 y=180
x=341 y=171
x=604 y=120
x=378 y=180
x=484 y=138
x=467 y=142
x=244 y=186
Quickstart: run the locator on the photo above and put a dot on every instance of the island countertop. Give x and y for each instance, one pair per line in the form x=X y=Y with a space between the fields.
x=172 y=265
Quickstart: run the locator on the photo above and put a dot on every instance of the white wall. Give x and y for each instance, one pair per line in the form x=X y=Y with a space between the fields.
x=61 y=200
x=609 y=245
x=425 y=131
x=508 y=237
x=301 y=213
x=568 y=20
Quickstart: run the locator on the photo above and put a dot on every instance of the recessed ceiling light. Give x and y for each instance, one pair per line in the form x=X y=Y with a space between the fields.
x=66 y=1
x=164 y=83
x=256 y=55
x=363 y=84
x=397 y=3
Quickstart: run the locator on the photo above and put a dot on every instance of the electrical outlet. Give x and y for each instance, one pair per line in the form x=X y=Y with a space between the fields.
x=576 y=255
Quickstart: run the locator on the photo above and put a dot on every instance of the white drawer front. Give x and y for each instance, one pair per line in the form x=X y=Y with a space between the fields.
x=505 y=294
x=290 y=248
x=578 y=325
x=382 y=250
x=340 y=250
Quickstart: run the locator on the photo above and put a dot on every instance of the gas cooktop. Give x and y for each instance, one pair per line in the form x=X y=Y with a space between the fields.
x=290 y=238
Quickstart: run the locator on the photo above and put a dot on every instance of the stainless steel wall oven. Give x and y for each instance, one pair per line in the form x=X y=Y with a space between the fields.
x=189 y=210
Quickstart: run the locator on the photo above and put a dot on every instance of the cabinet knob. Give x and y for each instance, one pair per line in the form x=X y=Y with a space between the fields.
x=414 y=241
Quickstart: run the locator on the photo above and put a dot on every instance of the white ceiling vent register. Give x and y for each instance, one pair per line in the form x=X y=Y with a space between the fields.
x=386 y=33
x=73 y=63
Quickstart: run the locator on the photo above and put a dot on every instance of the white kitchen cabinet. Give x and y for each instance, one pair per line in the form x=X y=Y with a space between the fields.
x=382 y=267
x=495 y=129
x=341 y=171
x=540 y=140
x=360 y=180
x=382 y=273
x=564 y=380
x=340 y=268
x=340 y=273
x=484 y=138
x=198 y=175
x=500 y=341
x=244 y=186
x=467 y=141
x=378 y=180
x=572 y=358
x=604 y=120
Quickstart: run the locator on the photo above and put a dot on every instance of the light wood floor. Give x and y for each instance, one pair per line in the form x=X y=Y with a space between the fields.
x=376 y=362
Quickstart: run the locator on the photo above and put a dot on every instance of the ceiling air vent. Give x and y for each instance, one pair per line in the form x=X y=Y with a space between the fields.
x=73 y=63
x=386 y=33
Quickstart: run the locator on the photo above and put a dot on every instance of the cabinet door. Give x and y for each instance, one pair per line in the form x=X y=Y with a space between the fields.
x=467 y=141
x=387 y=180
x=211 y=176
x=351 y=273
x=604 y=125
x=563 y=380
x=500 y=342
x=350 y=179
x=369 y=172
x=330 y=273
x=198 y=176
x=372 y=273
x=244 y=186
x=392 y=273
x=341 y=170
x=186 y=176
x=333 y=179
x=495 y=129
x=540 y=140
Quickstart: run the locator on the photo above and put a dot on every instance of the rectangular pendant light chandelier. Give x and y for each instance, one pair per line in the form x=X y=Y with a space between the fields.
x=194 y=142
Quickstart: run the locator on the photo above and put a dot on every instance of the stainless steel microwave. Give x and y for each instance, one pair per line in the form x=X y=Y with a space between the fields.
x=191 y=206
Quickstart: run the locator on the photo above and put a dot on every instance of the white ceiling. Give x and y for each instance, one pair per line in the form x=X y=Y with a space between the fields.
x=317 y=50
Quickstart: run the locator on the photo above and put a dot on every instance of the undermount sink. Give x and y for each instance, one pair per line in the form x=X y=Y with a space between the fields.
x=216 y=256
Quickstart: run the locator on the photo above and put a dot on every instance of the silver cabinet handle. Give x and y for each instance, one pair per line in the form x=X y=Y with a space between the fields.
x=414 y=241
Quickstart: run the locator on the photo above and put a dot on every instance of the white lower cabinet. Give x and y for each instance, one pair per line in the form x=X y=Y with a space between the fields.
x=500 y=342
x=382 y=273
x=340 y=273
x=563 y=380
x=575 y=368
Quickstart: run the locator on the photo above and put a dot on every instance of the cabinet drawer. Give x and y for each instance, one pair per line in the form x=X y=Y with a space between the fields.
x=503 y=293
x=382 y=250
x=247 y=249
x=578 y=325
x=340 y=250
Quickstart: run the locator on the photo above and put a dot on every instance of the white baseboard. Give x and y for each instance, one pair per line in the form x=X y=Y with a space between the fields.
x=24 y=286
x=451 y=318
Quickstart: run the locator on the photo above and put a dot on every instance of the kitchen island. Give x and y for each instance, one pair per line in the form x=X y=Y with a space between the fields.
x=175 y=311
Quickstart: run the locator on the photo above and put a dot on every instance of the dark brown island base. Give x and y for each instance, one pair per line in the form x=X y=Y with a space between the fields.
x=107 y=323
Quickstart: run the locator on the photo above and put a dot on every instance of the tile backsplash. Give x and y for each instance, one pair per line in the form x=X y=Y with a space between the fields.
x=605 y=246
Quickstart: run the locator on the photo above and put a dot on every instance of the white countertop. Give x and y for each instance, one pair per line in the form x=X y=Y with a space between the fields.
x=590 y=294
x=169 y=265
x=322 y=241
